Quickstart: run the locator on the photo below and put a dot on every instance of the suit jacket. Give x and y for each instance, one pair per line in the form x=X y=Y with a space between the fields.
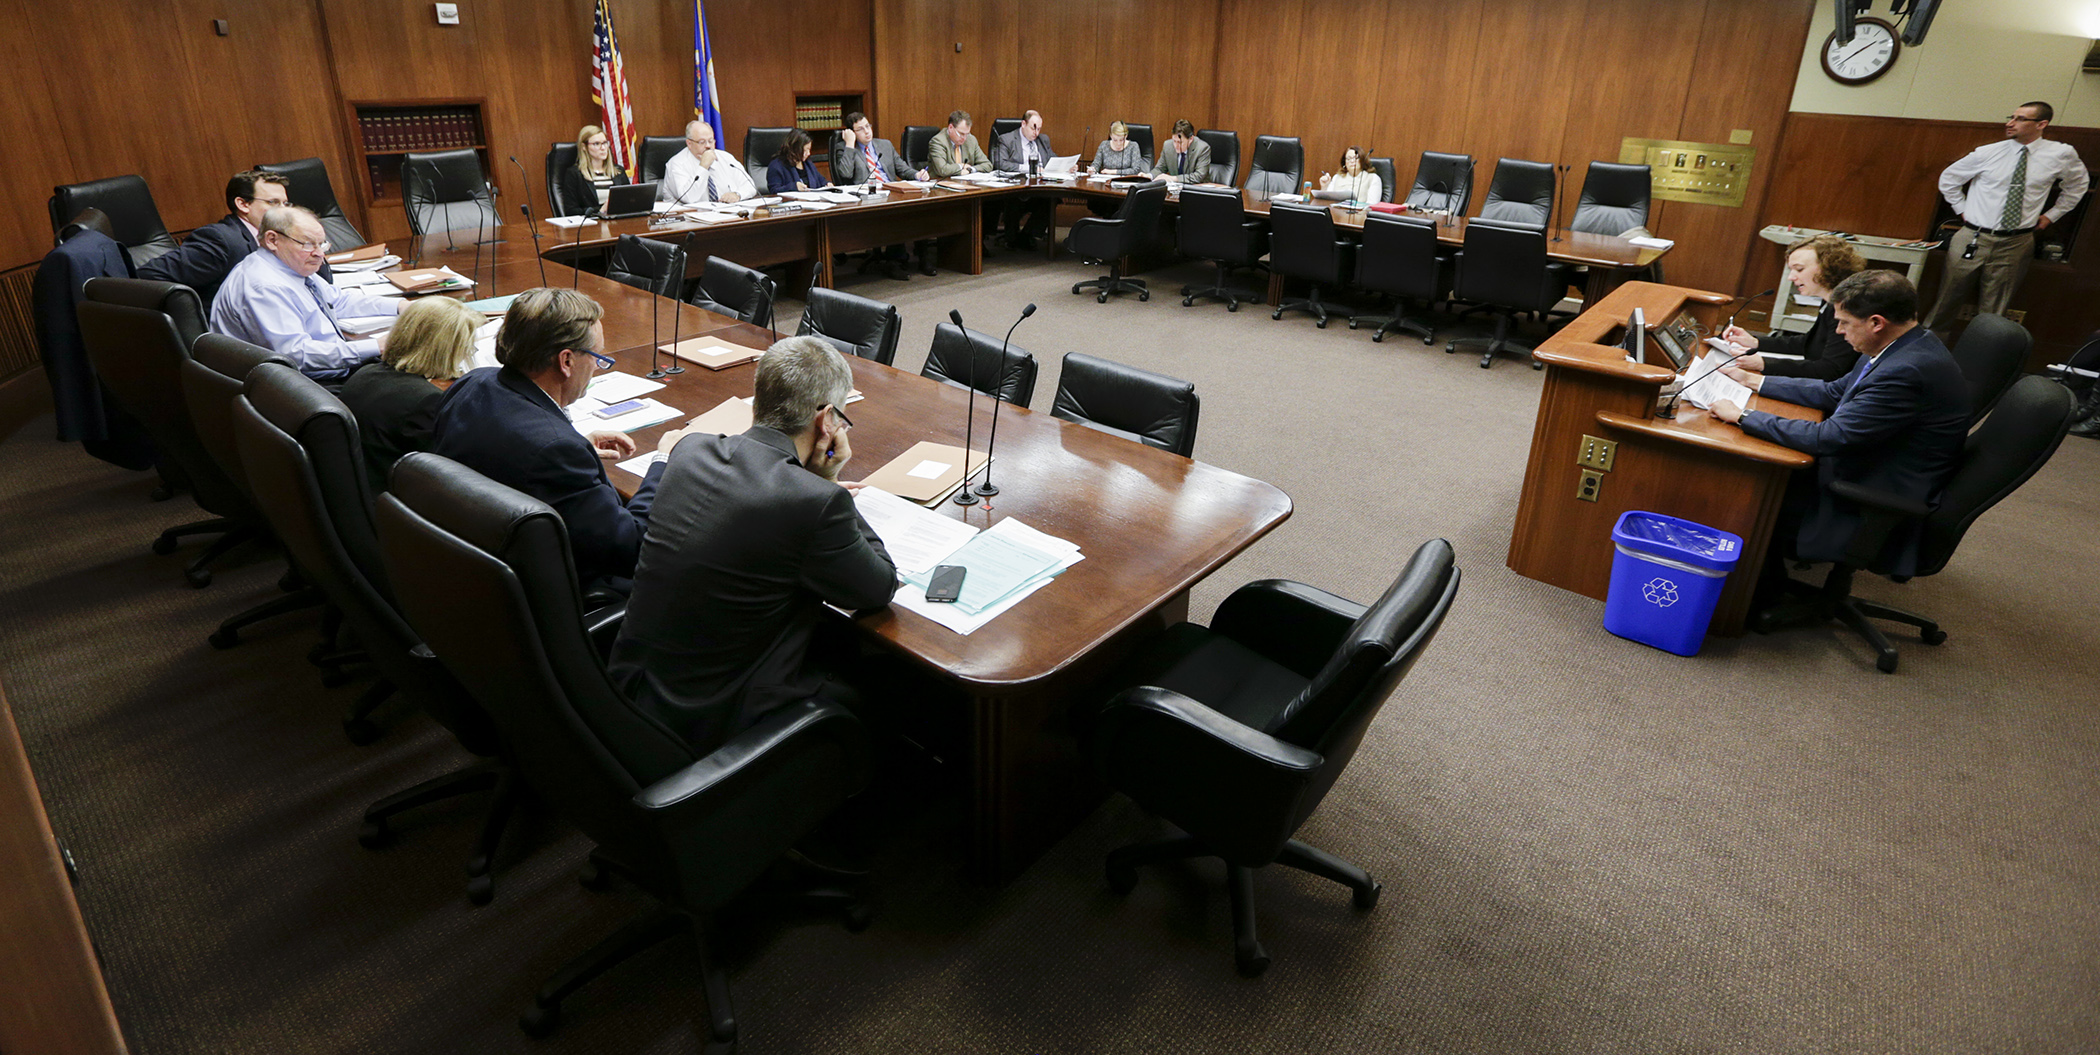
x=83 y=411
x=1825 y=354
x=1198 y=166
x=498 y=423
x=395 y=412
x=578 y=195
x=1896 y=422
x=848 y=166
x=743 y=545
x=781 y=177
x=1009 y=153
x=204 y=259
x=944 y=159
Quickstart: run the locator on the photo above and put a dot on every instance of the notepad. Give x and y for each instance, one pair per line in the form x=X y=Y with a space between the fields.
x=370 y=252
x=713 y=353
x=428 y=280
x=903 y=475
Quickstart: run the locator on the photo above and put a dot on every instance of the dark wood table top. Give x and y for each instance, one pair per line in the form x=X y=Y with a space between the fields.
x=600 y=233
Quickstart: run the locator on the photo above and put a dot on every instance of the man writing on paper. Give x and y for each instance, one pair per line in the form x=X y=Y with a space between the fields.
x=2008 y=182
x=507 y=423
x=751 y=534
x=274 y=299
x=1187 y=158
x=1896 y=422
x=955 y=150
x=1013 y=153
x=700 y=173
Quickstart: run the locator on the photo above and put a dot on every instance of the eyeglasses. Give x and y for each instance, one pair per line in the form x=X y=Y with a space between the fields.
x=2013 y=118
x=841 y=415
x=604 y=360
x=311 y=247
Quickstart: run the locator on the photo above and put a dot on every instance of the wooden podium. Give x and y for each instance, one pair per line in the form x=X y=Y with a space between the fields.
x=1696 y=467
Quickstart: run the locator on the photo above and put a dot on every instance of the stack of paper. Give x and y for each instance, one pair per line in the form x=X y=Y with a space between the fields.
x=570 y=221
x=913 y=184
x=485 y=343
x=584 y=415
x=1714 y=387
x=365 y=267
x=1006 y=563
x=836 y=197
x=614 y=387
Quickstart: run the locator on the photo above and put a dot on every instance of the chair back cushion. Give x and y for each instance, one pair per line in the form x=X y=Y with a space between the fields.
x=1214 y=226
x=1153 y=409
x=1224 y=155
x=1384 y=168
x=446 y=190
x=1398 y=256
x=1443 y=182
x=1990 y=352
x=2012 y=444
x=1134 y=228
x=1614 y=199
x=761 y=145
x=918 y=139
x=212 y=378
x=133 y=217
x=1521 y=192
x=1302 y=243
x=312 y=189
x=137 y=333
x=1142 y=136
x=968 y=359
x=1505 y=265
x=730 y=288
x=656 y=152
x=561 y=157
x=853 y=324
x=647 y=264
x=1003 y=125
x=1279 y=164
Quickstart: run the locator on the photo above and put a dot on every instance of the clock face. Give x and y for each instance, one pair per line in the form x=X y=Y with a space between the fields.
x=1872 y=51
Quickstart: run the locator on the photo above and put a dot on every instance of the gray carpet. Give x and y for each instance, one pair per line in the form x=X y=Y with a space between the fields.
x=1587 y=845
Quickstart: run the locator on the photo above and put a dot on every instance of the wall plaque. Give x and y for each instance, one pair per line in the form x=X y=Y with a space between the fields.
x=1709 y=173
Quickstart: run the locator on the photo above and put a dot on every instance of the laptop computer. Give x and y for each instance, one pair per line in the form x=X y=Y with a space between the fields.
x=625 y=203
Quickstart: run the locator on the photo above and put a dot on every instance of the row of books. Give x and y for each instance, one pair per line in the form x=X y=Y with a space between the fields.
x=434 y=130
x=819 y=115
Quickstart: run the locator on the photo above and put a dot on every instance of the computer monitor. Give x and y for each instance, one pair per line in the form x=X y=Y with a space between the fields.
x=629 y=201
x=1636 y=340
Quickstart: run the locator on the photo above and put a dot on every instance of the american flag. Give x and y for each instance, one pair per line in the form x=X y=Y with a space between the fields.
x=609 y=90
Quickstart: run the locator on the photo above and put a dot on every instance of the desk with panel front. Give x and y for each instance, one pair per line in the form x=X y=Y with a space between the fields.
x=1695 y=467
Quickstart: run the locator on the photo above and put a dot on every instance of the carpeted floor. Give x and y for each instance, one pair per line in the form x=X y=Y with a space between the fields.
x=1587 y=845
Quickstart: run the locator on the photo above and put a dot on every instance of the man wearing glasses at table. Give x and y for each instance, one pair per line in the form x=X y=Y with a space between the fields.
x=273 y=298
x=700 y=174
x=2007 y=183
x=508 y=423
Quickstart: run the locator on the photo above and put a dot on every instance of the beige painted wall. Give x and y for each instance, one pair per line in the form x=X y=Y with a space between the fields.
x=1982 y=58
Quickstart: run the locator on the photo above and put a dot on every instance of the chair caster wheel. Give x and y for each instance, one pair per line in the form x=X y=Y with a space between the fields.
x=594 y=879
x=1320 y=323
x=1487 y=362
x=1887 y=663
x=858 y=916
x=539 y=1022
x=360 y=731
x=374 y=834
x=1933 y=636
x=224 y=639
x=1251 y=959
x=481 y=890
x=1427 y=341
x=198 y=578
x=164 y=545
x=1232 y=305
x=1077 y=291
x=1102 y=299
x=1144 y=295
x=1277 y=314
x=1536 y=365
x=1376 y=338
x=1188 y=302
x=1352 y=325
x=1121 y=879
x=1450 y=348
x=1367 y=898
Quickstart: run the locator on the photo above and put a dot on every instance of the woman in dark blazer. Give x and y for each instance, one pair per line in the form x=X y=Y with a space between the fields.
x=585 y=184
x=793 y=169
x=395 y=399
x=1815 y=265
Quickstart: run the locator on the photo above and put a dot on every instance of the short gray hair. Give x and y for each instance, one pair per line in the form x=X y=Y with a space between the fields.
x=285 y=217
x=796 y=377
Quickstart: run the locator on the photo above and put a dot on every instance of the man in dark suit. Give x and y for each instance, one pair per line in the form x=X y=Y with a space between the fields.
x=1186 y=159
x=1896 y=422
x=1028 y=217
x=508 y=424
x=751 y=535
x=203 y=259
x=858 y=157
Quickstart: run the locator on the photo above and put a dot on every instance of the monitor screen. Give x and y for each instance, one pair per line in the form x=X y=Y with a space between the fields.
x=1636 y=339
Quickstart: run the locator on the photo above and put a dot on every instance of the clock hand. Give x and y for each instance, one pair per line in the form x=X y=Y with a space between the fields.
x=1841 y=58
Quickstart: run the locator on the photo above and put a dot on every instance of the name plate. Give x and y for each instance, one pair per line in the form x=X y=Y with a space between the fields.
x=1709 y=173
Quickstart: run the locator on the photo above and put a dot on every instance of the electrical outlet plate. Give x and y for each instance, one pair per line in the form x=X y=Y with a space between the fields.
x=1597 y=453
x=448 y=14
x=1592 y=482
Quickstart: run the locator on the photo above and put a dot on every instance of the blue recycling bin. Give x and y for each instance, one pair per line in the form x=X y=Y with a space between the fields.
x=1666 y=577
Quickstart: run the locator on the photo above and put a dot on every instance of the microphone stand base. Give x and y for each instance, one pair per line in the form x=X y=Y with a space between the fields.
x=655 y=373
x=674 y=369
x=964 y=497
x=986 y=489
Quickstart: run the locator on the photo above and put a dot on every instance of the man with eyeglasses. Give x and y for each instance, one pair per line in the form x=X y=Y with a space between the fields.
x=700 y=174
x=2001 y=210
x=276 y=299
x=210 y=252
x=508 y=423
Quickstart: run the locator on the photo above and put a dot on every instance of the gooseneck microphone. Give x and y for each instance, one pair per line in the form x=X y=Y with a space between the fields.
x=1743 y=302
x=655 y=371
x=576 y=251
x=986 y=489
x=963 y=496
x=1560 y=196
x=526 y=208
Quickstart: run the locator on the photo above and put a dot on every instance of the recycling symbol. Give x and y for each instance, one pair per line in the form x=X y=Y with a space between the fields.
x=1660 y=592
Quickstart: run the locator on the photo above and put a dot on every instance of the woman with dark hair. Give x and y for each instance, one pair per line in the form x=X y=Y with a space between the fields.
x=585 y=184
x=792 y=169
x=1815 y=265
x=1352 y=180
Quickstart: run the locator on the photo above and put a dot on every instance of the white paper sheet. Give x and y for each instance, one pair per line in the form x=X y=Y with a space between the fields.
x=650 y=413
x=916 y=537
x=616 y=387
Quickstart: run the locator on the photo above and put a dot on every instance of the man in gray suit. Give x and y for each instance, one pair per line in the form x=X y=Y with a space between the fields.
x=858 y=157
x=751 y=535
x=1012 y=153
x=1186 y=158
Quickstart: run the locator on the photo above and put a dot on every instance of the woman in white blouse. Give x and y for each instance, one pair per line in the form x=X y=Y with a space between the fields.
x=1360 y=183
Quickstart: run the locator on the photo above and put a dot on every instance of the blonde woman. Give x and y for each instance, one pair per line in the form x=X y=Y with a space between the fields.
x=396 y=398
x=1118 y=156
x=585 y=185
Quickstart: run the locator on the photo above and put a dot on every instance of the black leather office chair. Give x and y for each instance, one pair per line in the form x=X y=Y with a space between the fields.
x=485 y=572
x=1520 y=192
x=968 y=359
x=1399 y=256
x=730 y=288
x=761 y=146
x=1278 y=167
x=1235 y=732
x=1386 y=177
x=1142 y=136
x=1614 y=199
x=1303 y=244
x=305 y=463
x=647 y=264
x=1504 y=268
x=561 y=157
x=1215 y=227
x=1443 y=183
x=1132 y=230
x=137 y=333
x=133 y=218
x=446 y=190
x=1224 y=155
x=918 y=139
x=312 y=189
x=1001 y=126
x=1138 y=405
x=2012 y=444
x=853 y=324
x=1991 y=352
x=656 y=152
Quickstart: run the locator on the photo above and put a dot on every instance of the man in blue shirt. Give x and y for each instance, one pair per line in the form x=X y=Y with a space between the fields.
x=273 y=298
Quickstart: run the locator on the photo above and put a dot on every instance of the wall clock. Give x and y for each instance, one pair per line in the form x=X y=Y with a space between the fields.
x=1873 y=50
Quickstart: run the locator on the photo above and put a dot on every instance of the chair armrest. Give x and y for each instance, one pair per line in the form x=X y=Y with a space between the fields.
x=1881 y=513
x=1292 y=624
x=1086 y=230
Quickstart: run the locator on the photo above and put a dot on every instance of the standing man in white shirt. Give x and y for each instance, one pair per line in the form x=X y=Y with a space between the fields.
x=272 y=298
x=700 y=173
x=2000 y=211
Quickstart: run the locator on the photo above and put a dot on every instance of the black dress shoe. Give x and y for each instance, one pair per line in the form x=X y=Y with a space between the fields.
x=896 y=270
x=926 y=267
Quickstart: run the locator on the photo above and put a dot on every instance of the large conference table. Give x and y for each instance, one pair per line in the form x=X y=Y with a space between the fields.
x=1151 y=526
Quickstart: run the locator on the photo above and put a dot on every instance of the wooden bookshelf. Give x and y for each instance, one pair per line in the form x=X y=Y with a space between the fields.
x=387 y=129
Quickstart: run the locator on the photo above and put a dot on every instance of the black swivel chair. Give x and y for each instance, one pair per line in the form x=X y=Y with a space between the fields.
x=1001 y=126
x=1138 y=405
x=647 y=264
x=1235 y=732
x=761 y=146
x=485 y=572
x=561 y=157
x=133 y=218
x=1278 y=167
x=305 y=463
x=1614 y=199
x=312 y=189
x=1142 y=136
x=2012 y=444
x=1991 y=352
x=1520 y=192
x=1384 y=168
x=918 y=139
x=656 y=152
x=446 y=190
x=968 y=359
x=730 y=288
x=137 y=333
x=1443 y=183
x=853 y=324
x=1215 y=227
x=1224 y=155
x=1132 y=230
x=1504 y=268
x=1303 y=244
x=1399 y=256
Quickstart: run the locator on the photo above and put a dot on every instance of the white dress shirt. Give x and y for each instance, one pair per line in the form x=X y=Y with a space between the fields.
x=265 y=302
x=1365 y=186
x=685 y=182
x=1991 y=167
